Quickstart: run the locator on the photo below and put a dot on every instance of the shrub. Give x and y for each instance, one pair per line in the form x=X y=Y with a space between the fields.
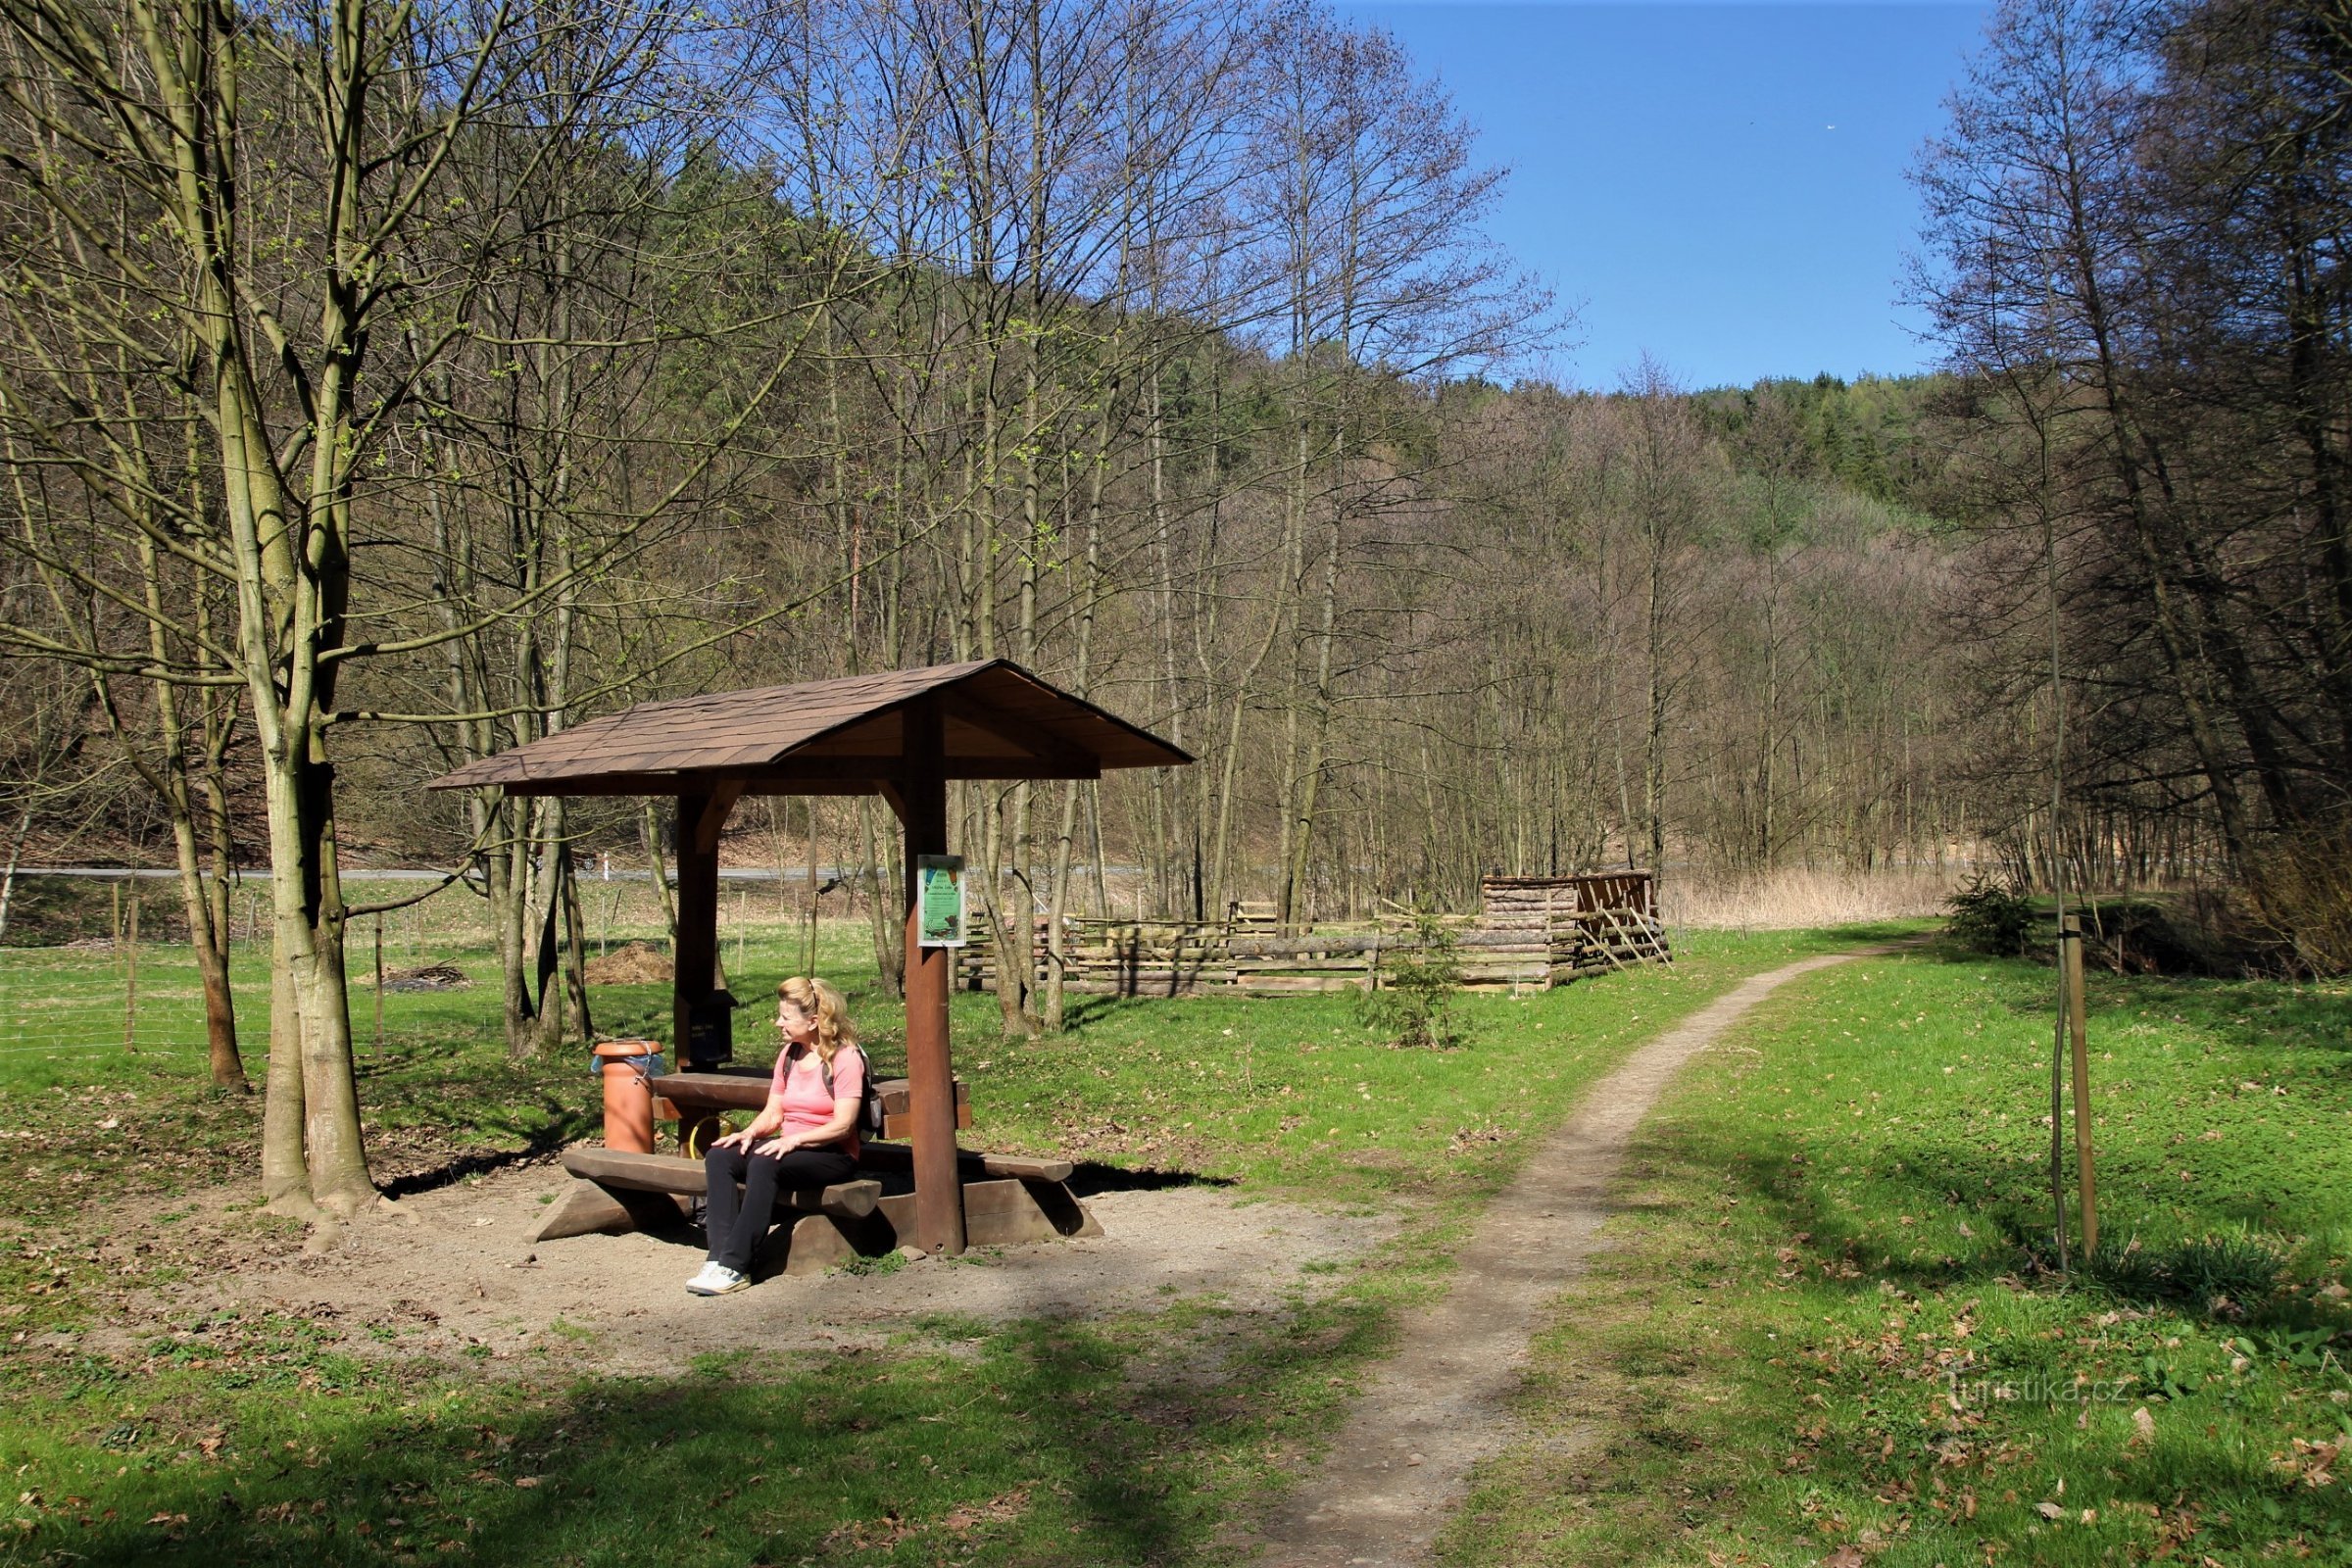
x=1413 y=989
x=2302 y=897
x=1991 y=919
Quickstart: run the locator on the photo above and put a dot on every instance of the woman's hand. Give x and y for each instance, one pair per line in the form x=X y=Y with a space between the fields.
x=779 y=1145
x=738 y=1140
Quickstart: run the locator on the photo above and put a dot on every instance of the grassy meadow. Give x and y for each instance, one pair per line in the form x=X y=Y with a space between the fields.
x=1831 y=1329
x=1121 y=1438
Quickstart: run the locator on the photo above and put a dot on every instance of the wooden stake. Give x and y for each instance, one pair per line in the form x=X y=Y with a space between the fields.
x=808 y=953
x=379 y=985
x=2077 y=1029
x=130 y=980
x=2058 y=1107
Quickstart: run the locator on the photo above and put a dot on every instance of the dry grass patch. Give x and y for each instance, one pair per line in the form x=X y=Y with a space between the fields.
x=1799 y=899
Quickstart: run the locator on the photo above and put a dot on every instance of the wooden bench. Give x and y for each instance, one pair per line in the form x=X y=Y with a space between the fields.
x=1008 y=1199
x=617 y=1192
x=686 y=1178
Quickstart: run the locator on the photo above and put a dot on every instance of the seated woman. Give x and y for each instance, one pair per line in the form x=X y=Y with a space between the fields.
x=806 y=1136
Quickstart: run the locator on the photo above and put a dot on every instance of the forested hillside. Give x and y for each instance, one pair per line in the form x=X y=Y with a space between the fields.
x=1201 y=405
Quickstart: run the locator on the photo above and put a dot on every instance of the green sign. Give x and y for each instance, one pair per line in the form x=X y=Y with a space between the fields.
x=939 y=900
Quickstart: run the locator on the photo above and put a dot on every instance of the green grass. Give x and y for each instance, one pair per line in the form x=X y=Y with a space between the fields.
x=1834 y=1323
x=1035 y=1443
x=1128 y=1439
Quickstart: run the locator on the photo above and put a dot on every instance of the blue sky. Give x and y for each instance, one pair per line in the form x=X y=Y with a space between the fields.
x=1676 y=177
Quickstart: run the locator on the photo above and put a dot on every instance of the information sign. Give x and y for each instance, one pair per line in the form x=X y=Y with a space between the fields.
x=939 y=901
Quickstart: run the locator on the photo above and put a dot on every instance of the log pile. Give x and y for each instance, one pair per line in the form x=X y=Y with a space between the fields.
x=1592 y=924
x=1532 y=934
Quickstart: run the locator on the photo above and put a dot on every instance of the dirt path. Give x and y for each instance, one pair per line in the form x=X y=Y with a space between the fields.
x=1441 y=1404
x=456 y=1271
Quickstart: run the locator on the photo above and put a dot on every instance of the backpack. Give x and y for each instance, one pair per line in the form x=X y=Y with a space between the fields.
x=869 y=1104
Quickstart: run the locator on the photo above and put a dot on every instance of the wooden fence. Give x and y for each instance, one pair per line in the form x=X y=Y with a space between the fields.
x=1532 y=933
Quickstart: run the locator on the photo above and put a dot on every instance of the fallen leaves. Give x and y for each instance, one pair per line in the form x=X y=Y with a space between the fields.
x=870 y=1535
x=1000 y=1510
x=2311 y=1463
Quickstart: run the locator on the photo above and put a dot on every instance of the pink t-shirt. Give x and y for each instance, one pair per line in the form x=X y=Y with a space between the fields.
x=801 y=1080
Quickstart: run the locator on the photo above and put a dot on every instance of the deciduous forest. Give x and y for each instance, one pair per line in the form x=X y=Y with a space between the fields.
x=382 y=387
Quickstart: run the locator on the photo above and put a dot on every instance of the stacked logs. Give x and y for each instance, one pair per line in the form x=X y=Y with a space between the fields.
x=1592 y=924
x=1533 y=934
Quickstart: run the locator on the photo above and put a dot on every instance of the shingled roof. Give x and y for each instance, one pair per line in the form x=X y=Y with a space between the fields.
x=827 y=736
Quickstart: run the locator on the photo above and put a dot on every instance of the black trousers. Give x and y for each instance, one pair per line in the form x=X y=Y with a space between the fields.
x=736 y=1231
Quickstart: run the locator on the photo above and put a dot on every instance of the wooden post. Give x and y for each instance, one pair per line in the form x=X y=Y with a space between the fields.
x=808 y=955
x=130 y=980
x=701 y=1014
x=921 y=800
x=2077 y=1029
x=2058 y=1106
x=379 y=985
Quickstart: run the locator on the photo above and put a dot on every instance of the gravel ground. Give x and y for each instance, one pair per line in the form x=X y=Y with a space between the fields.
x=458 y=1266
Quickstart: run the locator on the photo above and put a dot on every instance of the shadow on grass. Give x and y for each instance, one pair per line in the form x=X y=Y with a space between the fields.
x=1092 y=1177
x=1083 y=1012
x=565 y=1128
x=1036 y=1444
x=1828 y=1303
x=2189 y=1259
x=2264 y=1018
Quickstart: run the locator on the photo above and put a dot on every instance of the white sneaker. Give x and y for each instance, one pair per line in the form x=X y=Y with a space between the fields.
x=716 y=1279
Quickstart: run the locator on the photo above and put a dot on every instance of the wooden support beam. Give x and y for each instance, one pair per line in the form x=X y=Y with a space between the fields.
x=592 y=1211
x=713 y=820
x=1013 y=729
x=920 y=797
x=817 y=775
x=702 y=1013
x=843 y=778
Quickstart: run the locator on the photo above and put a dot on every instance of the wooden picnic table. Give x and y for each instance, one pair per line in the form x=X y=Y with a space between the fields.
x=1006 y=1199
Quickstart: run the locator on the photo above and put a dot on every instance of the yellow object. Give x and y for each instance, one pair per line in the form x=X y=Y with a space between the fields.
x=698 y=1142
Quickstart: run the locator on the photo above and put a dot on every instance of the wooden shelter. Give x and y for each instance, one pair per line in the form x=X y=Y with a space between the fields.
x=901 y=735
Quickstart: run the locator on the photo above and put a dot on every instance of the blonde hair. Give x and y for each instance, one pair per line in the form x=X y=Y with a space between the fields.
x=821 y=1000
